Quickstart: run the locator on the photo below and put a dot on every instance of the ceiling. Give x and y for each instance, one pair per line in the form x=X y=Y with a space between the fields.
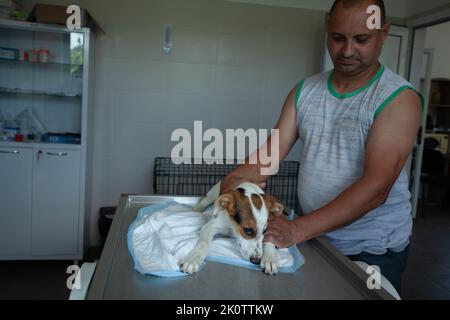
x=395 y=8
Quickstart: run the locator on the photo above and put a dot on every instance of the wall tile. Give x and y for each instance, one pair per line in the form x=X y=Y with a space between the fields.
x=141 y=75
x=236 y=112
x=193 y=46
x=141 y=107
x=239 y=81
x=191 y=78
x=132 y=174
x=103 y=105
x=242 y=49
x=132 y=139
x=103 y=138
x=105 y=73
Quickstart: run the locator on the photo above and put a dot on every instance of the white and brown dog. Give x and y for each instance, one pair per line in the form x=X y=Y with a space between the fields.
x=242 y=213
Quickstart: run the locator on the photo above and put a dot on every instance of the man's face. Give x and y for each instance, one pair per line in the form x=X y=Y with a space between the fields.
x=352 y=46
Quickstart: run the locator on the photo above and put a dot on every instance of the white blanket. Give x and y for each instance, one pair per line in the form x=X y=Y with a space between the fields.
x=163 y=234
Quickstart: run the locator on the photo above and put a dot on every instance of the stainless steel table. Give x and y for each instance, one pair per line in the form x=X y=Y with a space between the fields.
x=326 y=274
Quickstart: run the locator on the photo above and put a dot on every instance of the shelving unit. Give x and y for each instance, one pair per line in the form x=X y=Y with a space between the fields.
x=439 y=108
x=436 y=163
x=43 y=202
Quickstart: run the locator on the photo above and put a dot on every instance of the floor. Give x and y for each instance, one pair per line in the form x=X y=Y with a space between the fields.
x=427 y=275
x=41 y=280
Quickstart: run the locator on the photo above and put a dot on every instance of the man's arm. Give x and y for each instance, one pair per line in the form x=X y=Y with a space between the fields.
x=288 y=134
x=390 y=142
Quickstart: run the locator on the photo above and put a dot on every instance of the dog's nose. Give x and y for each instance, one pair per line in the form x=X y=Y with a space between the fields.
x=255 y=260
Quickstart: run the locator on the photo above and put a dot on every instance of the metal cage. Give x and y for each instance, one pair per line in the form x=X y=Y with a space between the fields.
x=197 y=179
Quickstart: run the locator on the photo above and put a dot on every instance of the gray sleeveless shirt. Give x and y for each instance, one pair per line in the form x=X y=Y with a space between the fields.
x=334 y=129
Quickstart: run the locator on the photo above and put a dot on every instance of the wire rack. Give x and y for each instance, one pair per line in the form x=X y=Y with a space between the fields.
x=197 y=179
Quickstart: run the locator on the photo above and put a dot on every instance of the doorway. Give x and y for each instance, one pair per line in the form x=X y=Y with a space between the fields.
x=427 y=275
x=430 y=179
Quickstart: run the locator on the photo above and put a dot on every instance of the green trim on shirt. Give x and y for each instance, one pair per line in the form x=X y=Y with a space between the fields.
x=394 y=95
x=353 y=93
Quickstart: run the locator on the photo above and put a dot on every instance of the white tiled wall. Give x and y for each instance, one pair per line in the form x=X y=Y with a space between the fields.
x=232 y=66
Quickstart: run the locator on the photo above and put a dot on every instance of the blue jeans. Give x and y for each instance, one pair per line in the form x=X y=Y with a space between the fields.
x=392 y=264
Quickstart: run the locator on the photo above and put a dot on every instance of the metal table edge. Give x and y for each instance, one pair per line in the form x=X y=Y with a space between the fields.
x=102 y=272
x=348 y=269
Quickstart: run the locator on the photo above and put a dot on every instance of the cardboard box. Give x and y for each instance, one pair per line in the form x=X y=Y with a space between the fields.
x=47 y=13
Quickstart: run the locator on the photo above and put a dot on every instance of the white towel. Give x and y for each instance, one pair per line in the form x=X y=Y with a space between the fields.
x=163 y=234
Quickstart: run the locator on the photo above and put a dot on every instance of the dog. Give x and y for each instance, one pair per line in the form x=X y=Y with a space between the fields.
x=242 y=213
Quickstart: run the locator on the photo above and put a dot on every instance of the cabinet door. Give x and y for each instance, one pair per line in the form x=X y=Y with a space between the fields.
x=15 y=201
x=56 y=202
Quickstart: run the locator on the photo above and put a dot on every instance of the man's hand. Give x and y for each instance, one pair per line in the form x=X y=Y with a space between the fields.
x=282 y=232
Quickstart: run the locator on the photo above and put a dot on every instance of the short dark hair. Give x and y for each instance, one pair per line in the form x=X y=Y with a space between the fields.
x=350 y=3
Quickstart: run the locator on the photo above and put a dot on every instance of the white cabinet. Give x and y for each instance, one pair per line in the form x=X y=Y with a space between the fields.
x=40 y=209
x=15 y=206
x=56 y=202
x=45 y=105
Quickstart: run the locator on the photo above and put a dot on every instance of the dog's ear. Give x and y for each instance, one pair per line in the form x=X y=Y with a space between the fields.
x=225 y=202
x=274 y=206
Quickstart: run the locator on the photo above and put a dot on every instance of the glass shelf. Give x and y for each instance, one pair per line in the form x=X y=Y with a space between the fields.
x=51 y=83
x=40 y=64
x=39 y=93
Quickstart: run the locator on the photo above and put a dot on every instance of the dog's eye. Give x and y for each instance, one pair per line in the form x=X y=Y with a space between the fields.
x=248 y=231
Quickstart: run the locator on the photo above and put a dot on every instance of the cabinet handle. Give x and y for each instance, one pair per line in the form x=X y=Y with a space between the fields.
x=10 y=152
x=59 y=154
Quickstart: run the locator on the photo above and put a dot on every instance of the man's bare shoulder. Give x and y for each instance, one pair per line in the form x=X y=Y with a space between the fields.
x=407 y=103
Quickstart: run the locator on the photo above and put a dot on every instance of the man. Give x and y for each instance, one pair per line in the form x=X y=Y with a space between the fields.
x=358 y=125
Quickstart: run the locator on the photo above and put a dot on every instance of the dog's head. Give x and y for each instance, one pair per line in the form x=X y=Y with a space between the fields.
x=248 y=208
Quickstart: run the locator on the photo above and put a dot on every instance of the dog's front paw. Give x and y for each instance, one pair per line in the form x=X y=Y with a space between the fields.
x=269 y=265
x=191 y=264
x=269 y=261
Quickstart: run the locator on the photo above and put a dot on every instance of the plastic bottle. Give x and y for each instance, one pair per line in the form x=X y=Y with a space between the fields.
x=10 y=128
x=23 y=125
x=28 y=120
